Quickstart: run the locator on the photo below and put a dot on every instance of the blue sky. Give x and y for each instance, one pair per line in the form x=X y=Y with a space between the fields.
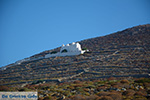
x=28 y=27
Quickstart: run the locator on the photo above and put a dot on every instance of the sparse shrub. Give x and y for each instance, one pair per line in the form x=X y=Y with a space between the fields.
x=48 y=98
x=40 y=98
x=77 y=82
x=104 y=98
x=140 y=93
x=129 y=92
x=145 y=80
x=102 y=93
x=111 y=78
x=84 y=49
x=124 y=81
x=140 y=98
x=115 y=96
x=91 y=97
x=37 y=82
x=77 y=97
x=24 y=89
x=4 y=88
x=32 y=87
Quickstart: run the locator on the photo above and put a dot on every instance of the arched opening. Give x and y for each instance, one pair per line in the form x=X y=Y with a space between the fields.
x=63 y=51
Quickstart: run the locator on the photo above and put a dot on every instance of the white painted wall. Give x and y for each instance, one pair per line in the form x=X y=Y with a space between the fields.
x=72 y=49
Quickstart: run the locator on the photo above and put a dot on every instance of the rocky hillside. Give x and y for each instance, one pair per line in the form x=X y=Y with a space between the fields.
x=122 y=54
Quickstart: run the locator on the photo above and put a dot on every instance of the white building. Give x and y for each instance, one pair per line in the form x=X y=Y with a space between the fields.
x=68 y=50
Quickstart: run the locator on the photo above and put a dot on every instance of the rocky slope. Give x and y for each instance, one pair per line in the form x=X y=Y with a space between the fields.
x=122 y=54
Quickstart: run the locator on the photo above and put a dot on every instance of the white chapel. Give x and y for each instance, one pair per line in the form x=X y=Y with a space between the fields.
x=68 y=50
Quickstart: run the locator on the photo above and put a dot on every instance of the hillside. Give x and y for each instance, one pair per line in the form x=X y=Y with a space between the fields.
x=122 y=54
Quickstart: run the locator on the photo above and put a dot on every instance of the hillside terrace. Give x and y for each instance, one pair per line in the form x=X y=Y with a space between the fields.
x=100 y=64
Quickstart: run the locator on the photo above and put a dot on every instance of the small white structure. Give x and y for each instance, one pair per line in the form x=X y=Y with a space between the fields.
x=68 y=50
